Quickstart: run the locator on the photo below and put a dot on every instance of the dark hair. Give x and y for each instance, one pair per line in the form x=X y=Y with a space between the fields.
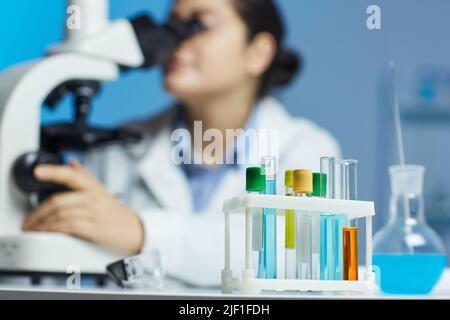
x=264 y=16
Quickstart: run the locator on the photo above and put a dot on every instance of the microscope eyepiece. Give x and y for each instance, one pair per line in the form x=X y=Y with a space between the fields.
x=159 y=42
x=185 y=30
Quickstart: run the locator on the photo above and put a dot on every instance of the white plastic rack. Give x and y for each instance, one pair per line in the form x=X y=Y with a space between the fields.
x=249 y=284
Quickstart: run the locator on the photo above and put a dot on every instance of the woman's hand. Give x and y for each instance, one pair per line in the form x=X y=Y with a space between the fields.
x=88 y=212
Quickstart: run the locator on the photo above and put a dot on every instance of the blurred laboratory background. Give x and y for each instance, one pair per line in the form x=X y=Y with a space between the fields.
x=344 y=85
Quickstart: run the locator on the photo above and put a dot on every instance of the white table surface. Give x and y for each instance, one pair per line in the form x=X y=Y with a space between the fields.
x=175 y=291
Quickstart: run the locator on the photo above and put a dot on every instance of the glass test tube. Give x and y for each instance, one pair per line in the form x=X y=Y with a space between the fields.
x=319 y=190
x=303 y=188
x=331 y=228
x=255 y=184
x=258 y=244
x=303 y=244
x=340 y=222
x=315 y=247
x=327 y=167
x=350 y=234
x=326 y=247
x=290 y=264
x=331 y=251
x=268 y=165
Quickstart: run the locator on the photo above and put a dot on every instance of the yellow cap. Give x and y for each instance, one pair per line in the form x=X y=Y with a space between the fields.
x=303 y=181
x=289 y=178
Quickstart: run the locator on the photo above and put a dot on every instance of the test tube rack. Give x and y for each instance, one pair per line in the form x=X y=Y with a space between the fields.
x=250 y=285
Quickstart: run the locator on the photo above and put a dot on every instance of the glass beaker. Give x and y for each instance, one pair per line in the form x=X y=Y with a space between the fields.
x=410 y=255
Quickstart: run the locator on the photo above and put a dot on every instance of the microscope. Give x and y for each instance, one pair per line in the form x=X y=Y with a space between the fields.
x=96 y=52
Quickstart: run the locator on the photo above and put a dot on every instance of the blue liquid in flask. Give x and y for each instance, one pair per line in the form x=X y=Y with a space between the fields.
x=409 y=273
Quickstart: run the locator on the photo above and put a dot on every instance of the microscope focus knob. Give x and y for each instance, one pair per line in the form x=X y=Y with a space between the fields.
x=23 y=173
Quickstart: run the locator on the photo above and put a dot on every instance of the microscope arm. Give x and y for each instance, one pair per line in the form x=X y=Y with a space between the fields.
x=22 y=92
x=94 y=35
x=116 y=43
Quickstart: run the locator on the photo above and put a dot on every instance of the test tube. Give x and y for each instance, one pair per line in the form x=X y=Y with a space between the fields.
x=350 y=234
x=303 y=187
x=326 y=247
x=331 y=228
x=290 y=264
x=256 y=184
x=319 y=190
x=268 y=165
x=340 y=223
x=327 y=167
x=331 y=251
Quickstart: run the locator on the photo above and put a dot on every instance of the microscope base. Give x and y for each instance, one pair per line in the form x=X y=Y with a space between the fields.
x=52 y=253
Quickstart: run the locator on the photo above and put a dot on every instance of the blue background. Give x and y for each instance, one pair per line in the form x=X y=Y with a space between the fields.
x=343 y=87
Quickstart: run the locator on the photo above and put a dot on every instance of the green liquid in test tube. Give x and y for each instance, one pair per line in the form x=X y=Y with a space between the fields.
x=268 y=165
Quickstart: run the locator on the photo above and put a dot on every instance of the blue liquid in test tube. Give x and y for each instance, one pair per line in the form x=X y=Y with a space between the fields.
x=261 y=263
x=331 y=250
x=326 y=247
x=270 y=220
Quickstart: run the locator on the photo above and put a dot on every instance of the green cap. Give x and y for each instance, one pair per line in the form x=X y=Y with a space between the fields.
x=289 y=179
x=256 y=182
x=317 y=192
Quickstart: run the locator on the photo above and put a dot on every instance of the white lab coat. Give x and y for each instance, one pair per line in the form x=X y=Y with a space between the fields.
x=192 y=244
